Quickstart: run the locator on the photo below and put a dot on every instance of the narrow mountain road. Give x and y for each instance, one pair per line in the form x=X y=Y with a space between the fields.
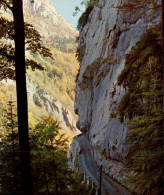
x=109 y=186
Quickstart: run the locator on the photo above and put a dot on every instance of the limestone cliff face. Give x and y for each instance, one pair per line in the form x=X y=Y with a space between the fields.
x=108 y=35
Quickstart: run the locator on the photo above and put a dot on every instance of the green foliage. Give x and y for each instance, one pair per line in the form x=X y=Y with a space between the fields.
x=7 y=51
x=47 y=132
x=49 y=160
x=84 y=17
x=9 y=155
x=136 y=77
x=48 y=155
x=88 y=3
x=50 y=163
x=141 y=109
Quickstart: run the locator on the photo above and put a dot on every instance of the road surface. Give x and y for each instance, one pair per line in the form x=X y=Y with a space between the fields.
x=109 y=186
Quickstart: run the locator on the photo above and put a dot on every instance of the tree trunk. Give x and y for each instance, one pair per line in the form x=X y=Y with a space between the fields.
x=163 y=53
x=22 y=107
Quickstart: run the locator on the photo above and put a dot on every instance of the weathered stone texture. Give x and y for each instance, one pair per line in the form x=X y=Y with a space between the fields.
x=108 y=36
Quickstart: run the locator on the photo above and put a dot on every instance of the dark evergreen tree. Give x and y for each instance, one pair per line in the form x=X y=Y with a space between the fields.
x=141 y=109
x=50 y=163
x=9 y=172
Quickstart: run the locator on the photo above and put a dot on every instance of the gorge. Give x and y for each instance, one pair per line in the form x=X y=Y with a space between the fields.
x=101 y=88
x=107 y=35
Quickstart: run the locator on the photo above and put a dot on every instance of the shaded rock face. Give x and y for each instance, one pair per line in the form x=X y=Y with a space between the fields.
x=103 y=43
x=73 y=154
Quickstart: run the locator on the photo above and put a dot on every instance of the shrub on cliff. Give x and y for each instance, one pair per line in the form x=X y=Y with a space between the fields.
x=84 y=17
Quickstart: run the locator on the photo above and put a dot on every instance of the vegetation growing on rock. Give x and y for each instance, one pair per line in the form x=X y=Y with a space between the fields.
x=141 y=108
x=84 y=17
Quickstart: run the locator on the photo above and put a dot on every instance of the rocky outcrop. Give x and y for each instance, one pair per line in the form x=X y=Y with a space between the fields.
x=108 y=35
x=47 y=106
x=44 y=16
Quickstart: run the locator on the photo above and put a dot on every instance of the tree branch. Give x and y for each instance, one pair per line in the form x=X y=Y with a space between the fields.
x=6 y=55
x=6 y=4
x=9 y=33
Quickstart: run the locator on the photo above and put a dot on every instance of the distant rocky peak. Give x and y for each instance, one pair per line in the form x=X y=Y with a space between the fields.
x=35 y=4
x=45 y=9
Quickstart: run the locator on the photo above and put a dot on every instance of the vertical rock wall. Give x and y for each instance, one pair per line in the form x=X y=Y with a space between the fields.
x=108 y=35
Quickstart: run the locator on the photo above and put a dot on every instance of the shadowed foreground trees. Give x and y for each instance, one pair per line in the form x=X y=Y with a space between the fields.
x=49 y=149
x=49 y=162
x=13 y=62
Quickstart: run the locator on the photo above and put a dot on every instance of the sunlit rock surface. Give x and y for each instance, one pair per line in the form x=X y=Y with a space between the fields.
x=45 y=104
x=44 y=9
x=103 y=43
